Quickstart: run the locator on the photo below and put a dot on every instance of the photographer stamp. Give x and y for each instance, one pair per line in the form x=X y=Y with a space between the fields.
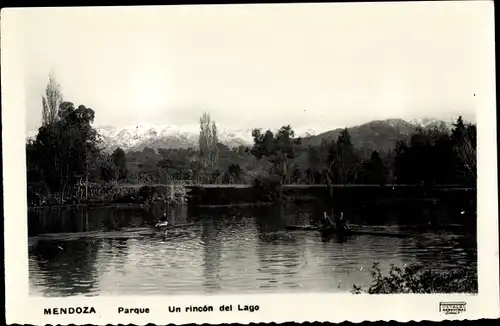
x=452 y=308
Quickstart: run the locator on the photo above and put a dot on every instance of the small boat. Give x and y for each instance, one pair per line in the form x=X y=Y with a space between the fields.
x=330 y=231
x=330 y=226
x=161 y=224
x=338 y=231
x=164 y=225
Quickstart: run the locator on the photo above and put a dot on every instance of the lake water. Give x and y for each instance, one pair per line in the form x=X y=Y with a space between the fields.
x=116 y=251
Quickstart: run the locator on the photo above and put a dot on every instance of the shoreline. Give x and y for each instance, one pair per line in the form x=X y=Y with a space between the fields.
x=118 y=205
x=226 y=195
x=90 y=205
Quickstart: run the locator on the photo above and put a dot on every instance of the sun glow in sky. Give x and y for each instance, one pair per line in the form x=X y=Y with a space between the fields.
x=326 y=65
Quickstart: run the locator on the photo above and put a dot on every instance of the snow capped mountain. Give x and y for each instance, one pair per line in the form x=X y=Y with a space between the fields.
x=432 y=122
x=137 y=137
x=142 y=135
x=237 y=136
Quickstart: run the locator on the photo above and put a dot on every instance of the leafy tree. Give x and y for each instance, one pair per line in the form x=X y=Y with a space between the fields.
x=107 y=169
x=402 y=167
x=279 y=149
x=197 y=170
x=120 y=162
x=62 y=150
x=51 y=101
x=214 y=155
x=464 y=145
x=208 y=141
x=296 y=174
x=346 y=158
x=264 y=144
x=436 y=155
x=234 y=173
x=332 y=174
x=147 y=162
x=342 y=160
x=317 y=162
x=374 y=171
x=216 y=176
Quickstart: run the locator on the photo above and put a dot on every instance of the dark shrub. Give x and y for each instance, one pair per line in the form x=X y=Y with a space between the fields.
x=417 y=278
x=266 y=189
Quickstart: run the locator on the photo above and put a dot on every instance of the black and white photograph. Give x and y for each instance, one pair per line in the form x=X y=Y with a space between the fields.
x=280 y=149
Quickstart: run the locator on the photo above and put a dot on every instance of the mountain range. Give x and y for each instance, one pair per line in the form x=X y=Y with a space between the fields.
x=378 y=135
x=137 y=137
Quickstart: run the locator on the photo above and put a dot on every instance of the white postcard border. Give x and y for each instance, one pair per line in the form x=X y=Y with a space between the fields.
x=23 y=309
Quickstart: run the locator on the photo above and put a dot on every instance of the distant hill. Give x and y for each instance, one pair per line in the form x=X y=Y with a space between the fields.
x=380 y=135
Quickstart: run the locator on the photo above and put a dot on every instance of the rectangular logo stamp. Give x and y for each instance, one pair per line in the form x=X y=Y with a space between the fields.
x=452 y=308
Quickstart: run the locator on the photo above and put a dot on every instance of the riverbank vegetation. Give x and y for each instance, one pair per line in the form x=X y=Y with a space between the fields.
x=66 y=161
x=418 y=278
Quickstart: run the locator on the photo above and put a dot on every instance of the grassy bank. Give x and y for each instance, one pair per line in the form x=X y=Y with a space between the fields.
x=102 y=194
x=365 y=199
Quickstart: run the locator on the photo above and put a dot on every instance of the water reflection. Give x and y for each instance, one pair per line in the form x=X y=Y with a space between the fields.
x=211 y=241
x=225 y=250
x=66 y=268
x=278 y=252
x=114 y=255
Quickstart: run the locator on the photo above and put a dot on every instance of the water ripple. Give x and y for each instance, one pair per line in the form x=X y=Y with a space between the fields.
x=216 y=257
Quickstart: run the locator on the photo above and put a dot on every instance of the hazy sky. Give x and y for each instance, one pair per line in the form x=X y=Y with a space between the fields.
x=260 y=65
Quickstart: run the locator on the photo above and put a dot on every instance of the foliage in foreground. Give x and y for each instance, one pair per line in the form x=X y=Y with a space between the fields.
x=417 y=278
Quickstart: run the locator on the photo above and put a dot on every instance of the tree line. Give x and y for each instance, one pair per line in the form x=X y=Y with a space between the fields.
x=65 y=156
x=431 y=155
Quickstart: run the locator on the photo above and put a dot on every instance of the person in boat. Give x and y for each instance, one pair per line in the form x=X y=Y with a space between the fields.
x=163 y=221
x=341 y=223
x=327 y=221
